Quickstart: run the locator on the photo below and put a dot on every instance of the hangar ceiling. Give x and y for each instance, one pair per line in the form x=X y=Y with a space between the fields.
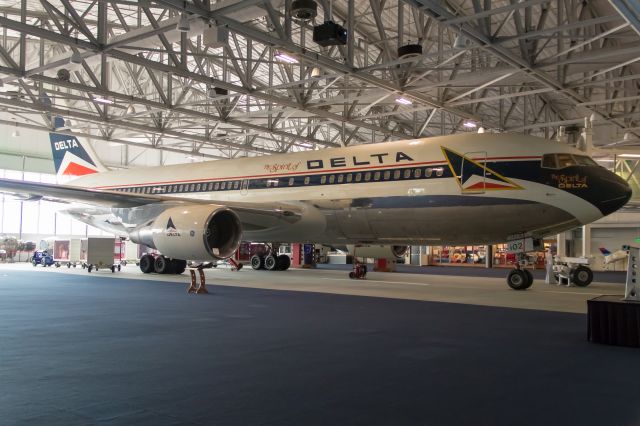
x=160 y=74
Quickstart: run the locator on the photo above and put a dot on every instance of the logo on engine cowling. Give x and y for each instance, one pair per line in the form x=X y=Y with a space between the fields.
x=171 y=229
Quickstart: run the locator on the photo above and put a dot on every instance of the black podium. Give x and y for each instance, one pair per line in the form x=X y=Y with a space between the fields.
x=613 y=321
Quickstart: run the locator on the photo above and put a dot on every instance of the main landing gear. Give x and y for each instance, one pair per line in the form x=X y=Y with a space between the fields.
x=162 y=265
x=271 y=262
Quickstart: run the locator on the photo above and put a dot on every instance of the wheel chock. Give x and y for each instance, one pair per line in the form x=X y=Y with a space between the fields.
x=197 y=289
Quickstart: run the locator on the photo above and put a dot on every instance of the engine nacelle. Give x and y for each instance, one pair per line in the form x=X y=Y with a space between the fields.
x=193 y=232
x=378 y=251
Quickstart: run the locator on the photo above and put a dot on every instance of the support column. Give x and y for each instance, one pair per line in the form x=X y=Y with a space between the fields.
x=586 y=240
x=562 y=244
x=488 y=260
x=296 y=252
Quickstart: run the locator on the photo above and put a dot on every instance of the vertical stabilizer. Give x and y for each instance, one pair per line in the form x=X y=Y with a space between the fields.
x=71 y=156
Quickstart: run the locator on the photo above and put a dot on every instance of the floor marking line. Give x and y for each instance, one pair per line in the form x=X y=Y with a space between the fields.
x=374 y=281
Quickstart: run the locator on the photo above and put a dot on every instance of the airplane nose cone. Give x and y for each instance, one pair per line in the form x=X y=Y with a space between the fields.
x=617 y=193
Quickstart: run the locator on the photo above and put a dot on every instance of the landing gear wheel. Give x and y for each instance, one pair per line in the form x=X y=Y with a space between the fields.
x=146 y=263
x=179 y=266
x=283 y=262
x=529 y=277
x=161 y=265
x=581 y=276
x=257 y=262
x=517 y=280
x=270 y=263
x=69 y=265
x=352 y=275
x=89 y=268
x=113 y=269
x=119 y=268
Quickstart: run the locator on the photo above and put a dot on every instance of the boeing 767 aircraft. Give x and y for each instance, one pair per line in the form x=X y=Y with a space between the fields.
x=464 y=188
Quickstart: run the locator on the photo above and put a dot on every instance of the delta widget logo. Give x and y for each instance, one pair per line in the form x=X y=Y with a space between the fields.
x=171 y=229
x=473 y=176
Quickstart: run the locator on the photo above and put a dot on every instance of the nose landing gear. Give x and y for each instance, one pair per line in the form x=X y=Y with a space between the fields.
x=520 y=279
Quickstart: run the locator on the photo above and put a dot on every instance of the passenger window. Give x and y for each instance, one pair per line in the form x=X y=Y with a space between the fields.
x=307 y=179
x=223 y=185
x=396 y=175
x=236 y=184
x=349 y=178
x=340 y=178
x=180 y=188
x=387 y=174
x=428 y=172
x=367 y=176
x=216 y=186
x=407 y=173
x=376 y=176
x=323 y=179
x=439 y=171
x=358 y=177
x=291 y=181
x=417 y=173
x=192 y=187
x=332 y=179
x=198 y=187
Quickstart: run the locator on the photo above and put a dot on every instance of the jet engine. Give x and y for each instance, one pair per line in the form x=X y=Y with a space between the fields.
x=192 y=232
x=378 y=251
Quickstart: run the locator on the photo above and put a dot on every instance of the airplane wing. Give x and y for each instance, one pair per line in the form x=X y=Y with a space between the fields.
x=253 y=215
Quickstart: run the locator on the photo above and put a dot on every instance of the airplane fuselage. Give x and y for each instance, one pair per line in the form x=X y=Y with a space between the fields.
x=466 y=188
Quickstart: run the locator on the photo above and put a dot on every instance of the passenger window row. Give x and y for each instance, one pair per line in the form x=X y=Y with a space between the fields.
x=319 y=179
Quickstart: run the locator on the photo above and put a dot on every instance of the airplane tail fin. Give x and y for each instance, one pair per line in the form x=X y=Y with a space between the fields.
x=71 y=156
x=604 y=251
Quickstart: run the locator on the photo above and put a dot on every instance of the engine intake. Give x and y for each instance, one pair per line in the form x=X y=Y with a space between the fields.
x=192 y=232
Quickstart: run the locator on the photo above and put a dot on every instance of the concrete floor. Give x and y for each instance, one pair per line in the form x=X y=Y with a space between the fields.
x=128 y=349
x=483 y=291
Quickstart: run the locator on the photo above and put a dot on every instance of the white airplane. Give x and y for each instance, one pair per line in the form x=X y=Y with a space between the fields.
x=464 y=188
x=616 y=256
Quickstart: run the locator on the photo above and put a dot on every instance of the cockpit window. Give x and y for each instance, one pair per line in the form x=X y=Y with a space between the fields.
x=584 y=160
x=565 y=160
x=560 y=161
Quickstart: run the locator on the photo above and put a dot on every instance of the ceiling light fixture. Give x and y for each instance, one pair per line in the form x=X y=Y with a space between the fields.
x=286 y=58
x=460 y=42
x=76 y=57
x=102 y=100
x=403 y=101
x=470 y=124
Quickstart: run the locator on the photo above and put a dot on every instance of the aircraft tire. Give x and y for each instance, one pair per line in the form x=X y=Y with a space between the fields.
x=283 y=262
x=529 y=277
x=270 y=263
x=146 y=263
x=179 y=266
x=581 y=276
x=257 y=262
x=517 y=279
x=161 y=265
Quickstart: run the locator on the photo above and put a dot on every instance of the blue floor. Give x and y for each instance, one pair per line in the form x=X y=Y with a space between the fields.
x=93 y=350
